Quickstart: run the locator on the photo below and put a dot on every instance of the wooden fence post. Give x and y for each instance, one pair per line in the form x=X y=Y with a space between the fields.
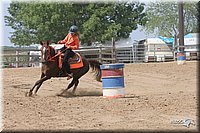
x=154 y=53
x=100 y=53
x=133 y=53
x=17 y=59
x=113 y=51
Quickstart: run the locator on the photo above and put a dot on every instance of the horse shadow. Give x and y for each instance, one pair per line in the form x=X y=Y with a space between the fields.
x=69 y=94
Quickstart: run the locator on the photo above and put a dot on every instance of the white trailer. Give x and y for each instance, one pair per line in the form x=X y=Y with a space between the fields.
x=156 y=50
x=191 y=48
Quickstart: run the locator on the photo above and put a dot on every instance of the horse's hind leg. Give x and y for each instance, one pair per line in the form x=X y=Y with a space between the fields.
x=69 y=86
x=75 y=86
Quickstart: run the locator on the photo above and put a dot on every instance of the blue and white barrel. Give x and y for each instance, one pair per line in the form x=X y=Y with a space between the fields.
x=112 y=80
x=181 y=58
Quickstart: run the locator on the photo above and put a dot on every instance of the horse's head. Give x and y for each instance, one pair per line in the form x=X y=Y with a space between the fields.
x=47 y=51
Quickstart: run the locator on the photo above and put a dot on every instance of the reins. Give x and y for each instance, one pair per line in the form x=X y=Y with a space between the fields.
x=59 y=53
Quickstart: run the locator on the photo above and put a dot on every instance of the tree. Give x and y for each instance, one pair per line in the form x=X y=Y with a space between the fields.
x=113 y=20
x=33 y=21
x=163 y=18
x=198 y=16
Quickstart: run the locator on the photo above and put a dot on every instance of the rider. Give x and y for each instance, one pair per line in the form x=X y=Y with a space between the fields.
x=71 y=42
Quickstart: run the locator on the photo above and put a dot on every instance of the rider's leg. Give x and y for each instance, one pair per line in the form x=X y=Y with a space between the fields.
x=68 y=54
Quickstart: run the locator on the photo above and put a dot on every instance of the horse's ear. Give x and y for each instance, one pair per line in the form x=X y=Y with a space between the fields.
x=48 y=42
x=41 y=43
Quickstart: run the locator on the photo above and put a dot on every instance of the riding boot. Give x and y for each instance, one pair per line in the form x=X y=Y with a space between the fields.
x=68 y=72
x=60 y=72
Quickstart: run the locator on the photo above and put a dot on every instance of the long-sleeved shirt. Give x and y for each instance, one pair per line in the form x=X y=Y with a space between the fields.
x=71 y=40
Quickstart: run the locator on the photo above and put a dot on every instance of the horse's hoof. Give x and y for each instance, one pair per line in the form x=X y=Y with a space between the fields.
x=28 y=94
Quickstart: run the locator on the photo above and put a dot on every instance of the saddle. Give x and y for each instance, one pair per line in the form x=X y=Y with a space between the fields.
x=75 y=62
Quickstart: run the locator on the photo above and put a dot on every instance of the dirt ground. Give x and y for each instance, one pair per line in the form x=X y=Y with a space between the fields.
x=158 y=96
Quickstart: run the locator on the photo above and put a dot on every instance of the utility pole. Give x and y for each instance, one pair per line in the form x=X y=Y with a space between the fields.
x=181 y=26
x=181 y=58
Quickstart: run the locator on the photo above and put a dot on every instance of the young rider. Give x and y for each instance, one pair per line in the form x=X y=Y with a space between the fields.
x=71 y=42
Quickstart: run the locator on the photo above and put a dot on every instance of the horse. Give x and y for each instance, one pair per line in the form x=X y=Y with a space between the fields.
x=50 y=68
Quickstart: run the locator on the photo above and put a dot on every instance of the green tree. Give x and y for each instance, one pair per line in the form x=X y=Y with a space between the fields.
x=35 y=21
x=198 y=16
x=163 y=18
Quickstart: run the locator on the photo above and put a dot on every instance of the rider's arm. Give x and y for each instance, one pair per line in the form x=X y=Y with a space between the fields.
x=64 y=40
x=73 y=42
x=70 y=42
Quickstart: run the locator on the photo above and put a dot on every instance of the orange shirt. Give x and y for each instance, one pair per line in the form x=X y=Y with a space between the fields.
x=72 y=41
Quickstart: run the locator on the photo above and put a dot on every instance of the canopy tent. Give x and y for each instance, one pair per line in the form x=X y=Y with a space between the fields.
x=171 y=40
x=167 y=40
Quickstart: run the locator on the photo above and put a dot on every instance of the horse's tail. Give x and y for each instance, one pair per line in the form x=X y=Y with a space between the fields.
x=95 y=65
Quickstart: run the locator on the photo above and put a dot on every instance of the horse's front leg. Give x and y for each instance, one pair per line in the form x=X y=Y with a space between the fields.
x=38 y=84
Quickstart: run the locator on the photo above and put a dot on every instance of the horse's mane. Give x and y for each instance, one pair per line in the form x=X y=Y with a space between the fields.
x=52 y=51
x=49 y=52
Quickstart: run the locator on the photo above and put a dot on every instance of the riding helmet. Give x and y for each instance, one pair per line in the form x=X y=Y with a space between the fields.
x=73 y=29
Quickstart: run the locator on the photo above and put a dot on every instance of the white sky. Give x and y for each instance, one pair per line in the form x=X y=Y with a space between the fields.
x=4 y=40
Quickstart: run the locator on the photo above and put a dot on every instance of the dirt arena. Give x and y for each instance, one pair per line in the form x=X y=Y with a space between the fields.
x=157 y=95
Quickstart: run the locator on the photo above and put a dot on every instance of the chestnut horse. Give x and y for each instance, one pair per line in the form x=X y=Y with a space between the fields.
x=50 y=69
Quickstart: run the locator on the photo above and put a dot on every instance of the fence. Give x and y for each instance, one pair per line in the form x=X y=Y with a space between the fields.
x=31 y=57
x=19 y=57
x=104 y=54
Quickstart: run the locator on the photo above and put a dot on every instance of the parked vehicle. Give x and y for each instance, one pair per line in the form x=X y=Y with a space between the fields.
x=155 y=49
x=191 y=48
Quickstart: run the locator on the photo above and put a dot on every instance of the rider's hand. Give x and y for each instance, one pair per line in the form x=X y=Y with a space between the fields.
x=59 y=42
x=69 y=47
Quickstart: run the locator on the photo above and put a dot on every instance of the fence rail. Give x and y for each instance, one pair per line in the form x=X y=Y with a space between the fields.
x=105 y=54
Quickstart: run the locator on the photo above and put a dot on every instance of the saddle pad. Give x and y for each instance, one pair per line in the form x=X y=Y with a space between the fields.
x=75 y=62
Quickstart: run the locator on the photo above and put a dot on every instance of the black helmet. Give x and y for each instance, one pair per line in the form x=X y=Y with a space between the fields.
x=73 y=29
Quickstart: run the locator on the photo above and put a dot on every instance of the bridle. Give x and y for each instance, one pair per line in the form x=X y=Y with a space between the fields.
x=49 y=57
x=47 y=53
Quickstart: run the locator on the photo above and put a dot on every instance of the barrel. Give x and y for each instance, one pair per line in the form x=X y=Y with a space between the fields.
x=181 y=58
x=112 y=80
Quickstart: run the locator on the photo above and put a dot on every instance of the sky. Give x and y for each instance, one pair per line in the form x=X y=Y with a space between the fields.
x=5 y=34
x=5 y=30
